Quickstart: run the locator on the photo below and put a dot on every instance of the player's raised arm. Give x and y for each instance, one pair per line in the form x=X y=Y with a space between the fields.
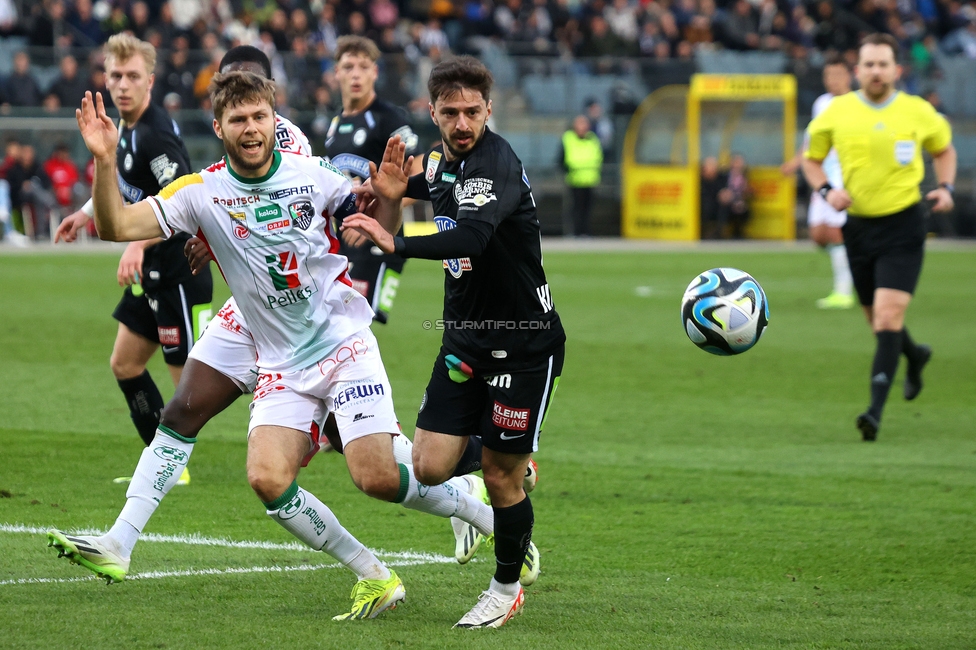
x=114 y=220
x=388 y=183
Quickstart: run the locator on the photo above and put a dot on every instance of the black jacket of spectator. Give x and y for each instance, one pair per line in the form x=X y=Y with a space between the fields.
x=22 y=90
x=19 y=174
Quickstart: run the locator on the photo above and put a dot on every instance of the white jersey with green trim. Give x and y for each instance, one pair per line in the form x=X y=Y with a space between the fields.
x=274 y=242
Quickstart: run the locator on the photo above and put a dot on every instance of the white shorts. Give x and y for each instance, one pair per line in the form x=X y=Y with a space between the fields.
x=227 y=347
x=821 y=213
x=351 y=383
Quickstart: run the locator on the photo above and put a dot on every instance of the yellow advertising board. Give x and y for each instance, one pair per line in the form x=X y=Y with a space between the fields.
x=773 y=205
x=659 y=202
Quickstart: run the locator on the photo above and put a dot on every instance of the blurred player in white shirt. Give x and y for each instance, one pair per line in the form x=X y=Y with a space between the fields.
x=824 y=221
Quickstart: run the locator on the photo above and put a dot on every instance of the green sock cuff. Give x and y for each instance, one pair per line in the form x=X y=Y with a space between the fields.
x=404 y=483
x=288 y=495
x=172 y=434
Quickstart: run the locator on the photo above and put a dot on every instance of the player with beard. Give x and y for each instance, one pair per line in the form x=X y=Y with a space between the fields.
x=357 y=137
x=164 y=304
x=503 y=344
x=267 y=218
x=879 y=133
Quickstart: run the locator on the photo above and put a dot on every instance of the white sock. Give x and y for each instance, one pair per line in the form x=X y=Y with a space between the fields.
x=125 y=536
x=843 y=283
x=402 y=450
x=158 y=470
x=304 y=516
x=506 y=590
x=449 y=499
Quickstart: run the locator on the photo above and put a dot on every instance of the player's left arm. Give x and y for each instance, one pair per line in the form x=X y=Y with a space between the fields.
x=944 y=162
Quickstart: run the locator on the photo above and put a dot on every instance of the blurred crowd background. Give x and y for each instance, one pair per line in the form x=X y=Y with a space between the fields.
x=552 y=59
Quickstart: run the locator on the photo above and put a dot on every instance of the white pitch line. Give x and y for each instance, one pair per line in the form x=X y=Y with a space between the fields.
x=391 y=558
x=156 y=575
x=199 y=540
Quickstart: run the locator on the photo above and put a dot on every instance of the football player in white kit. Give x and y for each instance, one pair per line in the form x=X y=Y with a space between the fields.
x=824 y=221
x=266 y=217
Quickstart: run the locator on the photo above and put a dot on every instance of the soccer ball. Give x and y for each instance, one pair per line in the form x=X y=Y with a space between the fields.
x=531 y=477
x=724 y=311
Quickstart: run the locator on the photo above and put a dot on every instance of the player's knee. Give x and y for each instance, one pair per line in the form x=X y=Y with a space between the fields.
x=430 y=472
x=124 y=368
x=267 y=484
x=379 y=485
x=178 y=416
x=503 y=484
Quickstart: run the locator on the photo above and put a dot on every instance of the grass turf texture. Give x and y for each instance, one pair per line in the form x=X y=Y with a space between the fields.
x=685 y=500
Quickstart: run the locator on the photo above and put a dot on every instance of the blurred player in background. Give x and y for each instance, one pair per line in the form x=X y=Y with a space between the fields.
x=824 y=221
x=879 y=133
x=503 y=344
x=357 y=137
x=164 y=303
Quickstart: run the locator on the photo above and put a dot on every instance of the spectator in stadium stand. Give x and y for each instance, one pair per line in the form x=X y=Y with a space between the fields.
x=621 y=18
x=740 y=29
x=63 y=174
x=734 y=199
x=96 y=84
x=327 y=32
x=601 y=125
x=139 y=22
x=8 y=17
x=70 y=86
x=30 y=185
x=51 y=103
x=21 y=88
x=49 y=25
x=581 y=157
x=178 y=75
x=87 y=30
x=600 y=42
x=712 y=182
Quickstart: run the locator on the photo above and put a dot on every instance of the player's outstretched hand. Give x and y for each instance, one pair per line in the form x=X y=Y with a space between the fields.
x=943 y=199
x=68 y=229
x=97 y=128
x=197 y=254
x=353 y=238
x=369 y=227
x=130 y=266
x=389 y=180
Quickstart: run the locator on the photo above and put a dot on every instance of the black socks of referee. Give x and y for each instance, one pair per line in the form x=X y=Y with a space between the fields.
x=889 y=348
x=145 y=404
x=513 y=532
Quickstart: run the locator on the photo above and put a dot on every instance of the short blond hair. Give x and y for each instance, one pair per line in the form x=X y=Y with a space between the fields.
x=356 y=45
x=229 y=89
x=122 y=47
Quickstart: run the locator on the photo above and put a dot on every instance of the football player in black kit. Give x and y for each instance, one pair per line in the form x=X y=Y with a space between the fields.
x=164 y=304
x=356 y=137
x=503 y=344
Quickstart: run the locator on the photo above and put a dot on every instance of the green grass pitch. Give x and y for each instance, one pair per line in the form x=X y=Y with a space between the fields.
x=685 y=500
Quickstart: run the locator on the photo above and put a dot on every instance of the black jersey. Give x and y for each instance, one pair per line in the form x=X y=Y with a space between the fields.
x=150 y=156
x=498 y=311
x=355 y=140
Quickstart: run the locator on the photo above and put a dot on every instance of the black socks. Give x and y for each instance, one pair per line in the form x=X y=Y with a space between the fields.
x=145 y=404
x=513 y=532
x=889 y=348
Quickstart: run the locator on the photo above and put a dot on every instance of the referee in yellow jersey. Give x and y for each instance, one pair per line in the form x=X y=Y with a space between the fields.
x=879 y=133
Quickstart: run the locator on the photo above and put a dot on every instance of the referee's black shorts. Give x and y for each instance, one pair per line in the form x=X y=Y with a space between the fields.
x=507 y=410
x=885 y=252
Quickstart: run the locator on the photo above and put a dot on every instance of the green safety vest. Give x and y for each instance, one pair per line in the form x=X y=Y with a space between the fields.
x=584 y=156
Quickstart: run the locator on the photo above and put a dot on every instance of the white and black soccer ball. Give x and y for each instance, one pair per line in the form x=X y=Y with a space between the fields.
x=724 y=311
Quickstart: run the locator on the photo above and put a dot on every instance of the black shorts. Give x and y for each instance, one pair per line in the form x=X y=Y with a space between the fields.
x=173 y=317
x=885 y=252
x=507 y=410
x=377 y=277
